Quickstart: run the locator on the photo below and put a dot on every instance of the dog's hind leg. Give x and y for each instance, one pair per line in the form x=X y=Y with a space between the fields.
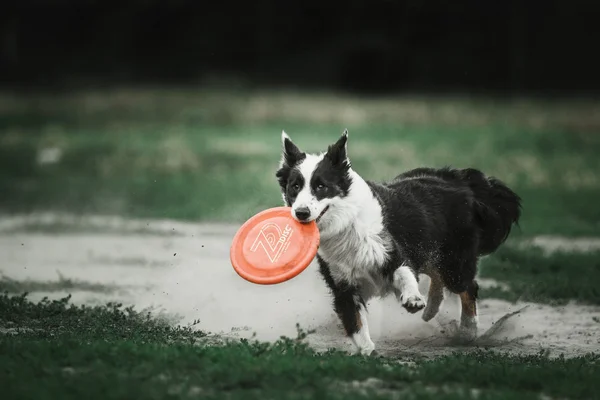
x=458 y=270
x=435 y=296
x=406 y=289
x=468 y=317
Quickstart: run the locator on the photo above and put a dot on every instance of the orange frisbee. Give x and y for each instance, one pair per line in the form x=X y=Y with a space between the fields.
x=272 y=247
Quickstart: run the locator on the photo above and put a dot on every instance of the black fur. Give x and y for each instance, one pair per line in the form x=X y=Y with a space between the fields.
x=446 y=219
x=439 y=221
x=330 y=179
x=293 y=184
x=346 y=300
x=292 y=156
x=337 y=154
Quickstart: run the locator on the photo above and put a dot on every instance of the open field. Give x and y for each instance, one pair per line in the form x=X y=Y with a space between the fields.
x=133 y=197
x=211 y=156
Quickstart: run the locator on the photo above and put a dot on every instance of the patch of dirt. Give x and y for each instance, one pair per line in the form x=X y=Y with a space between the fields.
x=189 y=277
x=59 y=223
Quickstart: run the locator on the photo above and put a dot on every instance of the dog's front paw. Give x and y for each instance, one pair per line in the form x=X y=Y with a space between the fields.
x=367 y=349
x=413 y=303
x=364 y=347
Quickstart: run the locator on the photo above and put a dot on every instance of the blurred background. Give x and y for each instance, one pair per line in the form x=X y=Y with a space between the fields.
x=174 y=109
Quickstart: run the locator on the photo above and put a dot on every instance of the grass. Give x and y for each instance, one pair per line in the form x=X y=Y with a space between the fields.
x=531 y=275
x=199 y=165
x=109 y=352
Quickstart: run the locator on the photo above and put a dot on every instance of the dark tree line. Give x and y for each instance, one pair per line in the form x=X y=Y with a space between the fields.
x=403 y=45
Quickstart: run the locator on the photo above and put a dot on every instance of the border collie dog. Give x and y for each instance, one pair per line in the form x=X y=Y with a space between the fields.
x=376 y=238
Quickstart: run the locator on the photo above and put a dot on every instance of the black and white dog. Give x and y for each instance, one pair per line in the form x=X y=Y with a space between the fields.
x=376 y=238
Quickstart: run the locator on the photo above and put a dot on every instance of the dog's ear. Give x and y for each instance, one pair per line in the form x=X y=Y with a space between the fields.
x=291 y=152
x=338 y=152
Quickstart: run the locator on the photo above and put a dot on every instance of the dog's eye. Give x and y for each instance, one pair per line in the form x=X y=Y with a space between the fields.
x=320 y=186
x=295 y=186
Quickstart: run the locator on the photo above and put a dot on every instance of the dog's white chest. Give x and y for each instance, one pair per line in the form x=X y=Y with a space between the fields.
x=353 y=257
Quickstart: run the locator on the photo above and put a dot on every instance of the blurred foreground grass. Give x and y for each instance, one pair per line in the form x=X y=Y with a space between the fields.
x=211 y=156
x=108 y=352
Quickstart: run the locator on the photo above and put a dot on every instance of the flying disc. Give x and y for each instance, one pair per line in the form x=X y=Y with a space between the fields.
x=272 y=247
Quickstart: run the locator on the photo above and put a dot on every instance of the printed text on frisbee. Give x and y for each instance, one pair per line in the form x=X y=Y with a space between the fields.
x=273 y=240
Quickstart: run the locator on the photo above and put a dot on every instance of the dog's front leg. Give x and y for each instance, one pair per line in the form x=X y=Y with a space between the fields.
x=353 y=313
x=406 y=288
x=351 y=309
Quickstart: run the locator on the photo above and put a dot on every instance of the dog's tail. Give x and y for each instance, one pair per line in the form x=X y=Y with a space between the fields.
x=496 y=208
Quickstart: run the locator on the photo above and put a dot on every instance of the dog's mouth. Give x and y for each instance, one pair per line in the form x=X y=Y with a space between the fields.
x=322 y=213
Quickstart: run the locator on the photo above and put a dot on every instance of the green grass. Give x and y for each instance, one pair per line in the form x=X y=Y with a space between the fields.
x=53 y=349
x=142 y=157
x=531 y=275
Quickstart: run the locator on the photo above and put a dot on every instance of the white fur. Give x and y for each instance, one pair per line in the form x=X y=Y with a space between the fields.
x=305 y=198
x=354 y=242
x=362 y=338
x=353 y=238
x=407 y=288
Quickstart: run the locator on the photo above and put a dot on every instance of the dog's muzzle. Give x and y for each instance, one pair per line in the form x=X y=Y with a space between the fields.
x=322 y=213
x=302 y=213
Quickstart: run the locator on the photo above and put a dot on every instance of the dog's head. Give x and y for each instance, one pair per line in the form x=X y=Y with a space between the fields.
x=312 y=184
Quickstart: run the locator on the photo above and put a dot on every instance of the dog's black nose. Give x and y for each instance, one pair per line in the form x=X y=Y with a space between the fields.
x=302 y=213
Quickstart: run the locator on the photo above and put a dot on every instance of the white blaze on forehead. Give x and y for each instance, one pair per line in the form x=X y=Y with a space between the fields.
x=307 y=167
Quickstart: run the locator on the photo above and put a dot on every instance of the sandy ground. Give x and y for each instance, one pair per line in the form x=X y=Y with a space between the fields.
x=183 y=271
